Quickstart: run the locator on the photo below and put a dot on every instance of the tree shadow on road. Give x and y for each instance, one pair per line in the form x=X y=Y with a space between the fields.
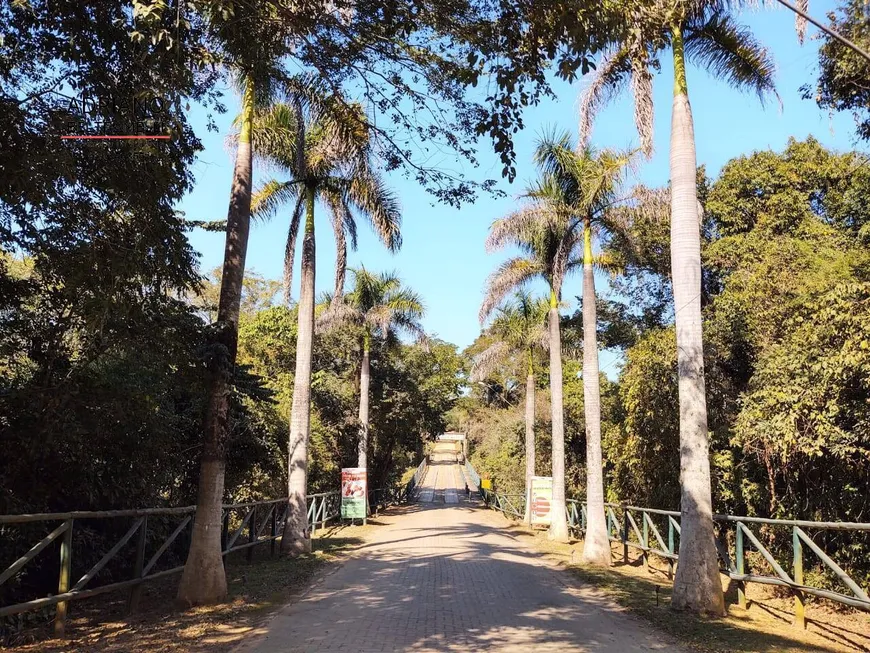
x=473 y=582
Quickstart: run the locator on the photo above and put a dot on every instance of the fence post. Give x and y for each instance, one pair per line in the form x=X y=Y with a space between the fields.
x=274 y=531
x=138 y=565
x=624 y=534
x=670 y=547
x=738 y=561
x=225 y=534
x=63 y=579
x=645 y=542
x=313 y=516
x=799 y=618
x=252 y=533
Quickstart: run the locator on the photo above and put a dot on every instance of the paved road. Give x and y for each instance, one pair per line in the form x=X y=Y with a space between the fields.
x=440 y=577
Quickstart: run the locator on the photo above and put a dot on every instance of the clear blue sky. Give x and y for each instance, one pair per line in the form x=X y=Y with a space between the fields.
x=443 y=256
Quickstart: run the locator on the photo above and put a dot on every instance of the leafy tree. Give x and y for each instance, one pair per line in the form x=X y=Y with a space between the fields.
x=518 y=331
x=416 y=65
x=380 y=307
x=328 y=156
x=843 y=73
x=258 y=293
x=806 y=403
x=708 y=36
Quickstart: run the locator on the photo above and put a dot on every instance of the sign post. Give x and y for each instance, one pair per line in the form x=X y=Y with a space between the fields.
x=354 y=493
x=541 y=499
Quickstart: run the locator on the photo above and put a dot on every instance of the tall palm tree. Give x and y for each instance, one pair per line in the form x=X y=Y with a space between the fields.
x=589 y=182
x=548 y=239
x=204 y=579
x=519 y=332
x=327 y=153
x=380 y=306
x=252 y=50
x=705 y=34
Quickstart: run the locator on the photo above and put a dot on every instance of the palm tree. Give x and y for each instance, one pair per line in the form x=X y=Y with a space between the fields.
x=549 y=240
x=204 y=579
x=589 y=182
x=380 y=306
x=327 y=152
x=252 y=50
x=519 y=331
x=706 y=35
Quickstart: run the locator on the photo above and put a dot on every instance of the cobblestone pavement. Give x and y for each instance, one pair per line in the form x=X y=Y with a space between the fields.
x=438 y=577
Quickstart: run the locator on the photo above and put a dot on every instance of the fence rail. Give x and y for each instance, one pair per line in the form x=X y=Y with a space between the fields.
x=244 y=526
x=642 y=529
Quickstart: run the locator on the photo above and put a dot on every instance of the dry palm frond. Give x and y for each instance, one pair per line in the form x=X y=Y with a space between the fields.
x=335 y=312
x=605 y=83
x=515 y=226
x=800 y=23
x=511 y=274
x=642 y=92
x=490 y=359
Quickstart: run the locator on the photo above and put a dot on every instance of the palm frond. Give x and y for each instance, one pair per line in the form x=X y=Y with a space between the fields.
x=605 y=83
x=337 y=219
x=642 y=92
x=516 y=226
x=369 y=194
x=731 y=53
x=490 y=359
x=411 y=326
x=510 y=275
x=275 y=131
x=800 y=23
x=335 y=312
x=290 y=249
x=271 y=196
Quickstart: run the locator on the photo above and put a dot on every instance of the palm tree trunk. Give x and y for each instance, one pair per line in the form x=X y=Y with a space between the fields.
x=697 y=586
x=362 y=445
x=204 y=579
x=530 y=435
x=596 y=546
x=297 y=537
x=558 y=516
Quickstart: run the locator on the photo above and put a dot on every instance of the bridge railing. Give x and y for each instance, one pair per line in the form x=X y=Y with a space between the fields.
x=471 y=474
x=160 y=538
x=414 y=482
x=510 y=504
x=656 y=532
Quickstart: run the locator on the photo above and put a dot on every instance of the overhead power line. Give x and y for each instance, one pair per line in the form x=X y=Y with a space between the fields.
x=825 y=29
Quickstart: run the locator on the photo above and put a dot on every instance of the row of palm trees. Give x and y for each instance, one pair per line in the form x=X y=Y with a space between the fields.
x=321 y=146
x=553 y=231
x=327 y=153
x=573 y=198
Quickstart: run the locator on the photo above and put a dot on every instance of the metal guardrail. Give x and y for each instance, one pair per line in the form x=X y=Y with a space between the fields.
x=411 y=486
x=263 y=521
x=638 y=528
x=471 y=474
x=509 y=504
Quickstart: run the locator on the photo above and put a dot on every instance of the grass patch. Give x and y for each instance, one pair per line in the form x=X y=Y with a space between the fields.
x=256 y=589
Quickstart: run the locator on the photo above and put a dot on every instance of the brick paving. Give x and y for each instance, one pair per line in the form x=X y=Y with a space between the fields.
x=438 y=577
